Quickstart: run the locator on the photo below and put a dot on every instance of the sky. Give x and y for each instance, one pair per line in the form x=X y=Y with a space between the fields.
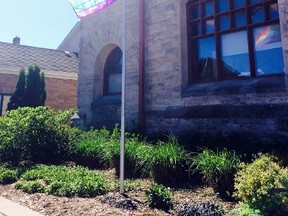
x=39 y=23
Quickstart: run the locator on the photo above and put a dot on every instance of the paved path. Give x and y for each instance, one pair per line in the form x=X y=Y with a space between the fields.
x=9 y=208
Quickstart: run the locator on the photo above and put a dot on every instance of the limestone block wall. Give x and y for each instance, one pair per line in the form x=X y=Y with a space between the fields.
x=258 y=106
x=100 y=33
x=283 y=7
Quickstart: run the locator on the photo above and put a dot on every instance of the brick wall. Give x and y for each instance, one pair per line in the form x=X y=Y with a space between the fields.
x=61 y=93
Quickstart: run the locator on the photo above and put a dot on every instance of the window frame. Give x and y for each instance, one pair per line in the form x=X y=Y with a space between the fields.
x=193 y=38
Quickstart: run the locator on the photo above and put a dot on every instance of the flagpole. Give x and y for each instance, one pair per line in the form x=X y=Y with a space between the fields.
x=122 y=141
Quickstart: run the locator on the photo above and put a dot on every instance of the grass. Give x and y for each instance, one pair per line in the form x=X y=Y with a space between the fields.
x=218 y=169
x=168 y=162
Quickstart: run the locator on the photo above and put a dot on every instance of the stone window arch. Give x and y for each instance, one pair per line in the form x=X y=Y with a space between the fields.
x=113 y=72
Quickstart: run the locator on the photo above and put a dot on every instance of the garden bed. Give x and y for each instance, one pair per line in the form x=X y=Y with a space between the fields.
x=100 y=205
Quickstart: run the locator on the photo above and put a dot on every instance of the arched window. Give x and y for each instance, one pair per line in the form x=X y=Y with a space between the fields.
x=112 y=72
x=230 y=39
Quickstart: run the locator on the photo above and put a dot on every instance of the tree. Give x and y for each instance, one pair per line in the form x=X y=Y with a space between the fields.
x=18 y=97
x=35 y=87
x=30 y=89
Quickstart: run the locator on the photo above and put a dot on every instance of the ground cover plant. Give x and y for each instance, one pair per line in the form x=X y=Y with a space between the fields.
x=160 y=197
x=218 y=169
x=7 y=176
x=63 y=181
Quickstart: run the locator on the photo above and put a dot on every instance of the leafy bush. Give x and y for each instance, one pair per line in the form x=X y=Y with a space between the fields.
x=167 y=162
x=111 y=147
x=7 y=176
x=30 y=187
x=255 y=183
x=133 y=147
x=159 y=197
x=64 y=181
x=36 y=134
x=218 y=169
x=245 y=210
x=88 y=148
x=130 y=185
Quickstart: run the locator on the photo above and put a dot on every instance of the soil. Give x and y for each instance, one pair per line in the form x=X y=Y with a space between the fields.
x=105 y=205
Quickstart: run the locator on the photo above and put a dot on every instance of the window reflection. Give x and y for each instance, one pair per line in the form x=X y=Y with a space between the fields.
x=273 y=11
x=238 y=3
x=267 y=42
x=207 y=59
x=235 y=55
x=257 y=14
x=209 y=8
x=113 y=70
x=223 y=5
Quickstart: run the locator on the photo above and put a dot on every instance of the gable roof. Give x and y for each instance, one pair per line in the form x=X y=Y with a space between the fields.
x=72 y=40
x=20 y=56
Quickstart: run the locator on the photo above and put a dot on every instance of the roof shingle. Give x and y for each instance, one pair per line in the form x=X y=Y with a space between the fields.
x=47 y=59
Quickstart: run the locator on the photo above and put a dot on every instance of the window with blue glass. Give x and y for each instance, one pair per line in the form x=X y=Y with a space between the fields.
x=230 y=39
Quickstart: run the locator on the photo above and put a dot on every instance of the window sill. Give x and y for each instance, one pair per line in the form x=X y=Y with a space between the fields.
x=229 y=87
x=107 y=100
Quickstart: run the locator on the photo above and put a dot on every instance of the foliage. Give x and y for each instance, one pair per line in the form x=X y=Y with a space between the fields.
x=133 y=146
x=255 y=183
x=218 y=169
x=159 y=197
x=64 y=181
x=30 y=187
x=130 y=185
x=7 y=176
x=18 y=97
x=35 y=87
x=88 y=148
x=111 y=148
x=30 y=89
x=245 y=210
x=38 y=134
x=168 y=161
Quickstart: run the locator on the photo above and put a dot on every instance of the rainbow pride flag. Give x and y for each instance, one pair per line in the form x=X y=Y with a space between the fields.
x=83 y=8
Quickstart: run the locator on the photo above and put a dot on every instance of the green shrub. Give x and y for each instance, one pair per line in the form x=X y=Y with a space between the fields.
x=30 y=187
x=245 y=210
x=168 y=162
x=88 y=148
x=129 y=185
x=255 y=182
x=7 y=176
x=37 y=134
x=65 y=181
x=111 y=147
x=133 y=147
x=159 y=197
x=218 y=169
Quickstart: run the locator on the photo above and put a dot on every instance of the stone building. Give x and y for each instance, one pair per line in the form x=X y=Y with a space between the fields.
x=192 y=65
x=60 y=69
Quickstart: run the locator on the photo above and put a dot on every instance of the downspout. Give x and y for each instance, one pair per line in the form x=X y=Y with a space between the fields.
x=142 y=115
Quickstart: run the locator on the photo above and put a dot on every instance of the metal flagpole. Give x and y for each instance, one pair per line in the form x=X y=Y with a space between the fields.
x=122 y=142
